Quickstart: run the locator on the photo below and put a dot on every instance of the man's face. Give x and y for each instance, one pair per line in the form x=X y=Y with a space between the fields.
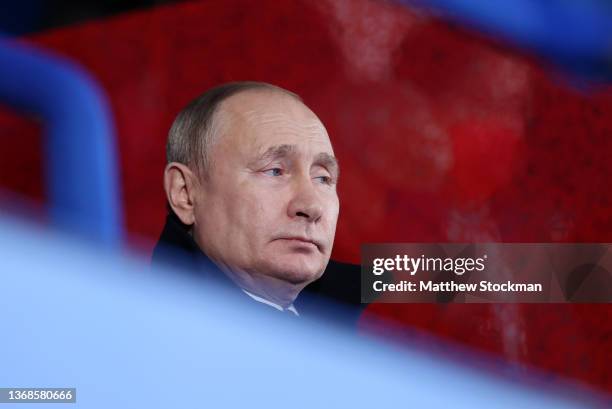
x=269 y=205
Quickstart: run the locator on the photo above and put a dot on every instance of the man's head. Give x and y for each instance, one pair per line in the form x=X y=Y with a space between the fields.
x=252 y=170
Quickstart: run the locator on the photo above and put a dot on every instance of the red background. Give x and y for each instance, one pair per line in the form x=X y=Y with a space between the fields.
x=442 y=135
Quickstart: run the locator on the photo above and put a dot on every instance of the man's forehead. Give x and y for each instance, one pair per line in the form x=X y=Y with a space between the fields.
x=272 y=118
x=269 y=107
x=265 y=119
x=255 y=98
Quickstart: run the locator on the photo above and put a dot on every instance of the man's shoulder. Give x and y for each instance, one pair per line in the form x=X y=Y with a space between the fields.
x=340 y=282
x=338 y=290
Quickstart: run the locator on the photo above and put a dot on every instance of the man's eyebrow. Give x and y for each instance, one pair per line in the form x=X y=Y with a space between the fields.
x=276 y=152
x=329 y=162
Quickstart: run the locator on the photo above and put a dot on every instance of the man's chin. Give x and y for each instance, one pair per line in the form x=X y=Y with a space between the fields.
x=296 y=271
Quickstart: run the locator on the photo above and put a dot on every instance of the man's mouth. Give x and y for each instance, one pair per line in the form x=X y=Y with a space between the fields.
x=304 y=241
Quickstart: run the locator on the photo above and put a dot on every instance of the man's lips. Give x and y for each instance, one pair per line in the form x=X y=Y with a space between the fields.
x=303 y=240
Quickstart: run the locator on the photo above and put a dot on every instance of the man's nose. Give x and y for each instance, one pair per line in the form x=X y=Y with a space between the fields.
x=305 y=201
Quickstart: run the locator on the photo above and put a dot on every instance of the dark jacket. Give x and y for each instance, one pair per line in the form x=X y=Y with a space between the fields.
x=335 y=296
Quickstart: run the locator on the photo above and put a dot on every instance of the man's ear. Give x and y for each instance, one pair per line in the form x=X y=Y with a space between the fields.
x=180 y=184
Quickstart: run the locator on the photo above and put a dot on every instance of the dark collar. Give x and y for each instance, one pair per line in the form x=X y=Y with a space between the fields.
x=177 y=247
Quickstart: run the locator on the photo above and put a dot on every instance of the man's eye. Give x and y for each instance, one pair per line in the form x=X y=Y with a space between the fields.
x=274 y=172
x=325 y=179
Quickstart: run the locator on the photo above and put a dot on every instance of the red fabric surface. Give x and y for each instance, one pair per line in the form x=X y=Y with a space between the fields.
x=441 y=135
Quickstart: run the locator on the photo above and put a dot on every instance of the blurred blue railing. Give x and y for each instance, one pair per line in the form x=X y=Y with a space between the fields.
x=81 y=169
x=575 y=35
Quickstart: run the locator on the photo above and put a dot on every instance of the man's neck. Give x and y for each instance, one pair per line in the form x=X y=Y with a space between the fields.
x=290 y=308
x=272 y=289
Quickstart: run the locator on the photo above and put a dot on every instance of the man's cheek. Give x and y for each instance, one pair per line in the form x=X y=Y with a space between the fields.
x=255 y=226
x=332 y=212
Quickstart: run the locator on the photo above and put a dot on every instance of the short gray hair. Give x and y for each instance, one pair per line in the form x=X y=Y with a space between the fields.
x=193 y=130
